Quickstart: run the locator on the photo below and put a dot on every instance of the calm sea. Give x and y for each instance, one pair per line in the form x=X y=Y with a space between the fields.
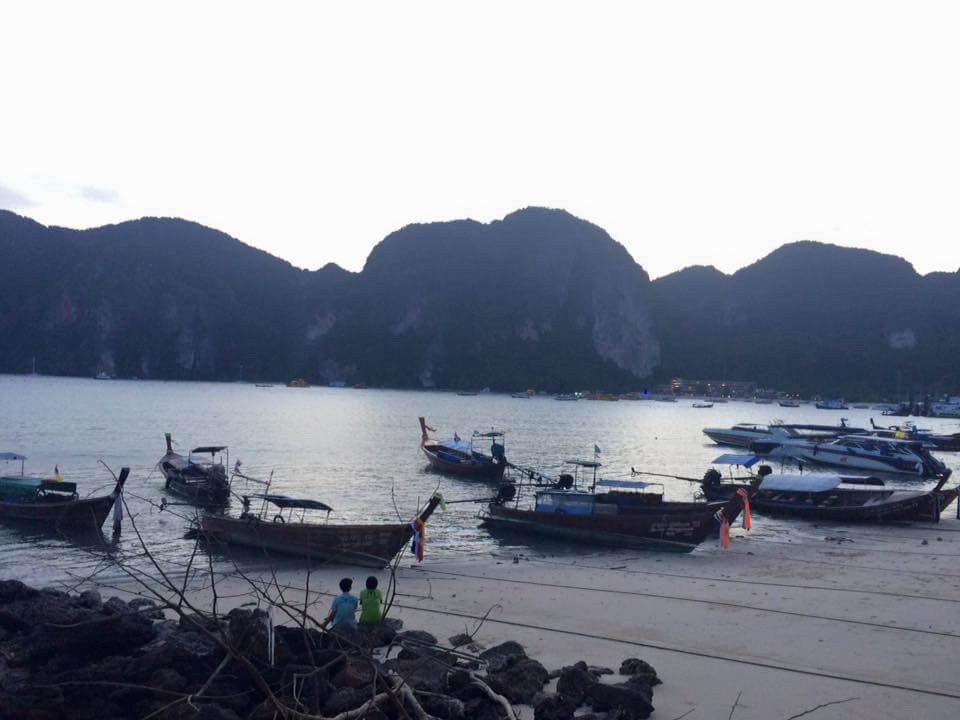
x=356 y=450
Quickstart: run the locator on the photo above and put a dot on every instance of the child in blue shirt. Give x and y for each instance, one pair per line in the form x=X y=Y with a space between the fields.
x=344 y=606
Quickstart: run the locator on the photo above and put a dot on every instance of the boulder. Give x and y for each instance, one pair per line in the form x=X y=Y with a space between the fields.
x=483 y=708
x=421 y=674
x=421 y=637
x=574 y=681
x=91 y=599
x=377 y=634
x=147 y=608
x=168 y=679
x=501 y=656
x=356 y=672
x=345 y=699
x=459 y=640
x=639 y=668
x=624 y=701
x=519 y=682
x=553 y=707
x=443 y=707
x=11 y=590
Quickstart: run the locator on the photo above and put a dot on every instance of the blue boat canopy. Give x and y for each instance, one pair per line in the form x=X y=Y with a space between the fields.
x=12 y=456
x=747 y=459
x=285 y=501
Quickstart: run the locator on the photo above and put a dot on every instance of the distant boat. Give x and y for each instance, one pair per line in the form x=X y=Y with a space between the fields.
x=298 y=383
x=763 y=401
x=337 y=384
x=103 y=376
x=861 y=406
x=461 y=457
x=520 y=395
x=264 y=385
x=789 y=403
x=566 y=396
x=467 y=393
x=831 y=405
x=703 y=405
x=200 y=481
x=666 y=398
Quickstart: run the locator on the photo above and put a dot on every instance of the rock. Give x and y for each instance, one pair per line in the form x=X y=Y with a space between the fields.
x=377 y=634
x=115 y=606
x=554 y=707
x=444 y=707
x=482 y=708
x=247 y=631
x=356 y=672
x=459 y=640
x=637 y=667
x=457 y=680
x=168 y=679
x=501 y=656
x=296 y=640
x=91 y=599
x=598 y=670
x=147 y=608
x=421 y=674
x=343 y=637
x=345 y=699
x=519 y=682
x=11 y=590
x=628 y=701
x=574 y=681
x=204 y=711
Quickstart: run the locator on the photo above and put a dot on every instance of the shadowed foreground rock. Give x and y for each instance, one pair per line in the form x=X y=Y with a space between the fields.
x=77 y=657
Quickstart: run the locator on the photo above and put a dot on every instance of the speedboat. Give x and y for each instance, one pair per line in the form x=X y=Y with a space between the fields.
x=909 y=431
x=742 y=434
x=860 y=452
x=831 y=405
x=461 y=457
x=194 y=477
x=826 y=496
x=789 y=403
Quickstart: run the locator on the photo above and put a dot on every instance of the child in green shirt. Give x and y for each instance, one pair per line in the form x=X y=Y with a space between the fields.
x=370 y=599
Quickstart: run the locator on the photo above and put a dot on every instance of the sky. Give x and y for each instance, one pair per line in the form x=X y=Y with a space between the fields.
x=693 y=132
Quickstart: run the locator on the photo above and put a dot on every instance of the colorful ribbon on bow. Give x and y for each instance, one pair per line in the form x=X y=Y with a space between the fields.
x=745 y=498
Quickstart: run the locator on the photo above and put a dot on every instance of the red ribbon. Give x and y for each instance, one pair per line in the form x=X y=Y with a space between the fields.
x=724 y=533
x=746 y=507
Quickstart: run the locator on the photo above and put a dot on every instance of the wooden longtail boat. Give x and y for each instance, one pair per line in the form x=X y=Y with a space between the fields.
x=827 y=496
x=52 y=502
x=371 y=545
x=200 y=481
x=459 y=457
x=620 y=517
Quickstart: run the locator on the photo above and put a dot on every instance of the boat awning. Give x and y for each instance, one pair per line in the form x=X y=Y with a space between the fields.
x=638 y=484
x=489 y=434
x=810 y=482
x=584 y=463
x=209 y=449
x=285 y=501
x=12 y=456
x=745 y=459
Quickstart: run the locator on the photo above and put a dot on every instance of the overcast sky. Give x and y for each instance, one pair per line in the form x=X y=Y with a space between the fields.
x=695 y=133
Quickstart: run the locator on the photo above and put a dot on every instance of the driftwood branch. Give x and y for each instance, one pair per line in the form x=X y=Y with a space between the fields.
x=821 y=705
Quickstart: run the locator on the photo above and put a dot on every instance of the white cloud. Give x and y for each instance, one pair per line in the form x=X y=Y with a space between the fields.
x=10 y=199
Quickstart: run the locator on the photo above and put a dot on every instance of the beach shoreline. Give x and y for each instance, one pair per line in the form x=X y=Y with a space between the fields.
x=866 y=615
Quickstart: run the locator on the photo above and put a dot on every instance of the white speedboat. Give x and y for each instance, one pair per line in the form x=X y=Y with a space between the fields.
x=859 y=452
x=831 y=405
x=743 y=434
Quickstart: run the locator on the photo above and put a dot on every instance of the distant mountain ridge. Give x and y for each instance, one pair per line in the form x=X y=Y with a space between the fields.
x=538 y=299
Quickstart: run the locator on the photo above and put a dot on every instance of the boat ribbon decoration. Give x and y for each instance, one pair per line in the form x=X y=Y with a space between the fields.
x=745 y=499
x=419 y=528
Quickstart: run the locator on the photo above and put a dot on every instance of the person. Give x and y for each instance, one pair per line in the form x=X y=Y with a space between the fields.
x=344 y=606
x=370 y=599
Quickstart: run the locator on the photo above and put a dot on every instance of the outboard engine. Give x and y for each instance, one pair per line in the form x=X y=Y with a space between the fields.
x=564 y=482
x=498 y=452
x=506 y=493
x=711 y=478
x=764 y=470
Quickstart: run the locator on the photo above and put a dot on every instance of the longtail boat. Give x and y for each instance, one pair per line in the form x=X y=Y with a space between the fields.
x=629 y=514
x=370 y=545
x=827 y=496
x=53 y=502
x=194 y=477
x=461 y=457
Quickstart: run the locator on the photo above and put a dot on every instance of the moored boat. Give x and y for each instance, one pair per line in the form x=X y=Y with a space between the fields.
x=628 y=514
x=195 y=478
x=827 y=496
x=703 y=405
x=789 y=403
x=53 y=502
x=369 y=545
x=742 y=434
x=461 y=457
x=831 y=405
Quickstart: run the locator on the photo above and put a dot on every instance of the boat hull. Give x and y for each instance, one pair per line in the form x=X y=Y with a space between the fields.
x=479 y=470
x=364 y=545
x=901 y=506
x=78 y=514
x=673 y=527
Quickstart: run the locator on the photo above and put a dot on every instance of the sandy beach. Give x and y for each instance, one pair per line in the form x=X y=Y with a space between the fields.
x=863 y=619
